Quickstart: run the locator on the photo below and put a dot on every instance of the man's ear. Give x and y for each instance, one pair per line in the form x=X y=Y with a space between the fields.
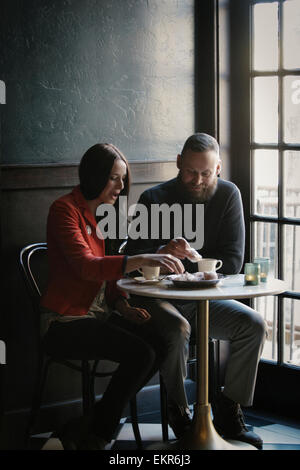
x=178 y=162
x=219 y=167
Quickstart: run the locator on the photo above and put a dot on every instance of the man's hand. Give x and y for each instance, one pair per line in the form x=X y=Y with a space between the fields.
x=177 y=247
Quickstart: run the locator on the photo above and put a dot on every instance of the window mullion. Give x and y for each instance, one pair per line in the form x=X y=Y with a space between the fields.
x=281 y=189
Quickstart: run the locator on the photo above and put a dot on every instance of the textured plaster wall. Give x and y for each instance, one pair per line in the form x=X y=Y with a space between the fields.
x=82 y=71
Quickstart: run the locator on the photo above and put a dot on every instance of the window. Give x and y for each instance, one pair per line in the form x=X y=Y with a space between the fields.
x=275 y=166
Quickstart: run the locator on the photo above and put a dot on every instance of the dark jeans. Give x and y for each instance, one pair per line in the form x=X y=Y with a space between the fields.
x=137 y=349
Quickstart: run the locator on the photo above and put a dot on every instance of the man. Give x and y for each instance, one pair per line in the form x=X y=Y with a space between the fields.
x=198 y=182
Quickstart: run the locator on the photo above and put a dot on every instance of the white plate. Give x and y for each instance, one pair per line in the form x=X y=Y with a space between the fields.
x=198 y=284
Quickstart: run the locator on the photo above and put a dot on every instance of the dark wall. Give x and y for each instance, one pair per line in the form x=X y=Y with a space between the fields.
x=82 y=71
x=77 y=72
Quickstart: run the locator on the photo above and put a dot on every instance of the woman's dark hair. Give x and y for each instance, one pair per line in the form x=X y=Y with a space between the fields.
x=95 y=167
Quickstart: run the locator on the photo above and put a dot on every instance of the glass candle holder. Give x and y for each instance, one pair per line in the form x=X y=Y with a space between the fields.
x=264 y=268
x=252 y=274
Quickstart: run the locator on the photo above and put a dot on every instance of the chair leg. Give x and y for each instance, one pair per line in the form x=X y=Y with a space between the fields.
x=214 y=369
x=133 y=404
x=86 y=387
x=42 y=373
x=135 y=424
x=164 y=409
x=92 y=383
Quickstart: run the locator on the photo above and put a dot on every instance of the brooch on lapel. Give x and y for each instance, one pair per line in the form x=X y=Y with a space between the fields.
x=89 y=230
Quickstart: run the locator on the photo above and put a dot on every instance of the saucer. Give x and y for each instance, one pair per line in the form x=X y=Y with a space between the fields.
x=142 y=280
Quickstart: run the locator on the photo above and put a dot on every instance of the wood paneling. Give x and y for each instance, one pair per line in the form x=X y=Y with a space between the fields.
x=29 y=190
x=18 y=177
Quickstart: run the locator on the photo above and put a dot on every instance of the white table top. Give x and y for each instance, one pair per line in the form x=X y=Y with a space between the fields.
x=232 y=287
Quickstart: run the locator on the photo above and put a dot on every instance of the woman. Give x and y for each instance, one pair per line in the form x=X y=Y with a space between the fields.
x=82 y=293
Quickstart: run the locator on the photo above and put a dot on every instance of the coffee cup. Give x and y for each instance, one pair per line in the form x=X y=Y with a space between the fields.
x=150 y=272
x=209 y=264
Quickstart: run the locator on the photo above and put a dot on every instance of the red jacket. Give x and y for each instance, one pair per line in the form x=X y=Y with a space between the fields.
x=77 y=262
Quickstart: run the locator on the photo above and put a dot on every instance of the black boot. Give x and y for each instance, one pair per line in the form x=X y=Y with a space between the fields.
x=73 y=432
x=229 y=422
x=77 y=435
x=179 y=419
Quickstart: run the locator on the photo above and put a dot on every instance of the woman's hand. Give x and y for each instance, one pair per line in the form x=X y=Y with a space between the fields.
x=136 y=315
x=167 y=262
x=133 y=314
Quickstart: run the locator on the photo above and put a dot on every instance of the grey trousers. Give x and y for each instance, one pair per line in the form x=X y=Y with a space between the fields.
x=229 y=320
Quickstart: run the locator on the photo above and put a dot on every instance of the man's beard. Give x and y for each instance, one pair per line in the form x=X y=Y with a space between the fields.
x=203 y=195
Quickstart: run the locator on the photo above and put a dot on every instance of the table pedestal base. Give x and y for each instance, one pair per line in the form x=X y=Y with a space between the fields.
x=202 y=435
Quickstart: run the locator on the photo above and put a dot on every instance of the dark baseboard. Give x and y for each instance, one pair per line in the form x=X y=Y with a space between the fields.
x=277 y=390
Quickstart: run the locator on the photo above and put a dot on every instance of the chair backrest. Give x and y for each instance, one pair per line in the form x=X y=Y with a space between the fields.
x=34 y=267
x=122 y=246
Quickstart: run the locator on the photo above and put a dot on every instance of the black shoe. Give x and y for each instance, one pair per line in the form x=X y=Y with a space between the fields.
x=179 y=419
x=92 y=442
x=76 y=435
x=72 y=433
x=229 y=422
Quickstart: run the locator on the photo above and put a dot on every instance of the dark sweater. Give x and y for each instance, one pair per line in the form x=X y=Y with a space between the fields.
x=224 y=230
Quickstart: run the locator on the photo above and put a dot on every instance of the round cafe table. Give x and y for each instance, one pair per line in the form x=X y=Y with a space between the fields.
x=202 y=434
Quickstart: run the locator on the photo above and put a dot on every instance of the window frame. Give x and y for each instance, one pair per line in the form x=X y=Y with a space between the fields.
x=242 y=143
x=281 y=146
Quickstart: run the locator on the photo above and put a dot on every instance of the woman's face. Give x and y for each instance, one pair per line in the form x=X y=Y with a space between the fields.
x=115 y=183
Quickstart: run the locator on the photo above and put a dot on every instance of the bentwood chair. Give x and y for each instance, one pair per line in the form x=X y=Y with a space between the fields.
x=34 y=268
